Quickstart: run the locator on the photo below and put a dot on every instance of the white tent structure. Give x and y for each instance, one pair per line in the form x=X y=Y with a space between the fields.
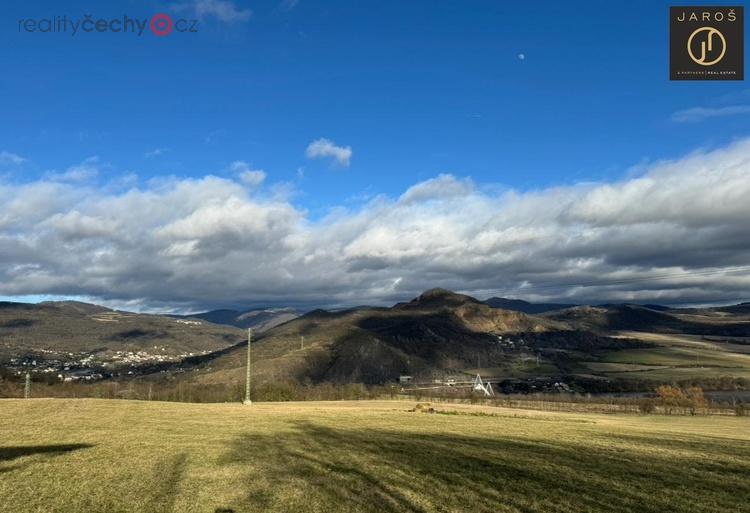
x=480 y=386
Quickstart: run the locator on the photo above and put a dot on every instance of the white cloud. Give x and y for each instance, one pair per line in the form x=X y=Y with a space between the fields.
x=8 y=158
x=212 y=240
x=443 y=186
x=324 y=148
x=251 y=177
x=73 y=225
x=223 y=10
x=86 y=170
x=288 y=5
x=697 y=114
x=156 y=152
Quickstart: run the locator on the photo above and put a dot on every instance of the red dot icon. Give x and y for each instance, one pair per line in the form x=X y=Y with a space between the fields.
x=161 y=24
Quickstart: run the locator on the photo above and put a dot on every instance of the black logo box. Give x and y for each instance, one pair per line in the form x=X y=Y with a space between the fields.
x=685 y=21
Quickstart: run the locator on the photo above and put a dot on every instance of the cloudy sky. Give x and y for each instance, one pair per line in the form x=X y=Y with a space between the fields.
x=297 y=153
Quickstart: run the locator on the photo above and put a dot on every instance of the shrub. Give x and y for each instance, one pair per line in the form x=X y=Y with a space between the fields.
x=423 y=408
x=695 y=400
x=646 y=406
x=672 y=398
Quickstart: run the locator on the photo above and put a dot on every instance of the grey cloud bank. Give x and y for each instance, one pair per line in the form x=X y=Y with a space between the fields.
x=211 y=241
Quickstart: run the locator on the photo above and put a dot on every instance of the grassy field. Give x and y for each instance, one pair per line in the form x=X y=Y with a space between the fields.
x=670 y=374
x=124 y=456
x=678 y=357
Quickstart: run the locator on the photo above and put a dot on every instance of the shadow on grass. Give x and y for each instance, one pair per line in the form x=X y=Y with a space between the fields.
x=167 y=478
x=738 y=447
x=15 y=452
x=11 y=453
x=317 y=468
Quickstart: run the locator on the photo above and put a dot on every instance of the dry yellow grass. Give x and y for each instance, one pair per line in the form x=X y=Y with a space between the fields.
x=111 y=456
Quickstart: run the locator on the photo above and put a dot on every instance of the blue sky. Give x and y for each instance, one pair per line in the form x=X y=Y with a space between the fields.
x=513 y=95
x=415 y=88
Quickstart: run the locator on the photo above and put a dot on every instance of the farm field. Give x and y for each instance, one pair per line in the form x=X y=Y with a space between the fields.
x=667 y=374
x=677 y=357
x=376 y=456
x=739 y=345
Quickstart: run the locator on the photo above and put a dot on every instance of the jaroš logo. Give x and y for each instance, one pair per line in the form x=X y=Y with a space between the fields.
x=709 y=39
x=706 y=43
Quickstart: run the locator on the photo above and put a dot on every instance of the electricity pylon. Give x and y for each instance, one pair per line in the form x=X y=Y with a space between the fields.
x=247 y=377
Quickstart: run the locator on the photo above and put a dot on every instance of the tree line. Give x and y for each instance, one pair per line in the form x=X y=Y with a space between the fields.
x=667 y=399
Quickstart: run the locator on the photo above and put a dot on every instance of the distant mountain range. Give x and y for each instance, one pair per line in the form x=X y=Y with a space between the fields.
x=441 y=333
x=519 y=305
x=647 y=318
x=260 y=320
x=77 y=335
x=437 y=334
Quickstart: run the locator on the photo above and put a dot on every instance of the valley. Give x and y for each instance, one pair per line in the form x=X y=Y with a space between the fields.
x=431 y=342
x=71 y=341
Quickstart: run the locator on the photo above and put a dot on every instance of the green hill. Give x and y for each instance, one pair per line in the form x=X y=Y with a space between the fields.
x=83 y=336
x=437 y=334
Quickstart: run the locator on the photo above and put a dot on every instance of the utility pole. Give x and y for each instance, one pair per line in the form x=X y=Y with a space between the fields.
x=27 y=387
x=247 y=400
